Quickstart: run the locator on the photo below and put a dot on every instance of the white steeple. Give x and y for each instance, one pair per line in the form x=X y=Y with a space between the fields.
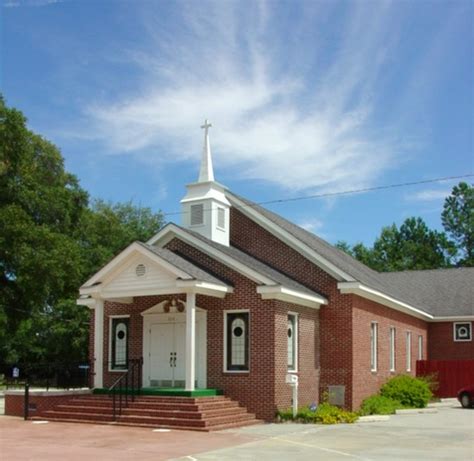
x=205 y=207
x=206 y=172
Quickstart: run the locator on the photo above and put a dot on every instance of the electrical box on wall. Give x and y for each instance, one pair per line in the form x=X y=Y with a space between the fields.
x=337 y=395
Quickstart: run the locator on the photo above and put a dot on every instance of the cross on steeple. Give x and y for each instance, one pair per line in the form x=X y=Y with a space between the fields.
x=206 y=126
x=206 y=172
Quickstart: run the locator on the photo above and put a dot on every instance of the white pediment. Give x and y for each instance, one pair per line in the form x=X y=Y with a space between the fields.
x=139 y=273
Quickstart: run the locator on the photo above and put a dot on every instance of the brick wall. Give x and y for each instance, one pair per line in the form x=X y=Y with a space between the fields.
x=442 y=345
x=366 y=382
x=308 y=361
x=335 y=353
x=39 y=403
x=263 y=389
x=135 y=337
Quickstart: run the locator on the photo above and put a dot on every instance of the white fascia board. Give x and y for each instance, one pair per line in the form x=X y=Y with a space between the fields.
x=292 y=296
x=205 y=288
x=127 y=293
x=90 y=290
x=290 y=240
x=89 y=302
x=457 y=318
x=122 y=300
x=116 y=262
x=193 y=286
x=377 y=296
x=171 y=231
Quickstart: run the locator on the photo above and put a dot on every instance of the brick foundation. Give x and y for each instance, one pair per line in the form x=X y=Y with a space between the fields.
x=39 y=402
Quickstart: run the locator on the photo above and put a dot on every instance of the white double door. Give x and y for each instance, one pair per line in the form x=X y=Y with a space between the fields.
x=167 y=354
x=164 y=350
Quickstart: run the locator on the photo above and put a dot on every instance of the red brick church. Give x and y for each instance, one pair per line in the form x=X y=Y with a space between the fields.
x=237 y=298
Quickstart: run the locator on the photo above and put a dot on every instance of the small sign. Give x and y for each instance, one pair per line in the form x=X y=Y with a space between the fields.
x=84 y=367
x=15 y=372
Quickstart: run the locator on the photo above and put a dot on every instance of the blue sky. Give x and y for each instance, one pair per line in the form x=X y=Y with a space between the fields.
x=304 y=97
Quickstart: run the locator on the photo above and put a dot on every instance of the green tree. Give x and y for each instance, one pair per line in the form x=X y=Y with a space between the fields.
x=51 y=241
x=413 y=246
x=458 y=221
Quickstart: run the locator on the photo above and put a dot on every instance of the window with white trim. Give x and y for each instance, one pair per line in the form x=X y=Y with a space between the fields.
x=292 y=333
x=393 y=335
x=373 y=346
x=237 y=341
x=119 y=328
x=197 y=214
x=408 y=350
x=462 y=331
x=420 y=347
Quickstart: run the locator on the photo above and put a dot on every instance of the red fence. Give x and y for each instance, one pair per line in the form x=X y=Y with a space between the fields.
x=452 y=375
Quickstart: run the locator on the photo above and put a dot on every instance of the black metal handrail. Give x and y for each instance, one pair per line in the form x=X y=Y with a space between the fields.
x=127 y=385
x=59 y=375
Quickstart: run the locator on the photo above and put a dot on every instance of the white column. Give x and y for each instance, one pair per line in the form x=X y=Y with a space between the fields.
x=190 y=341
x=98 y=343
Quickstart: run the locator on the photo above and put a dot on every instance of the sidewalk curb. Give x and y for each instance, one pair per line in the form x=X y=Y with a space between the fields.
x=373 y=418
x=415 y=411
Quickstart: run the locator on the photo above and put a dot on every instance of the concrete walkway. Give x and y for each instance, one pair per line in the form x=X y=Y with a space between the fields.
x=445 y=435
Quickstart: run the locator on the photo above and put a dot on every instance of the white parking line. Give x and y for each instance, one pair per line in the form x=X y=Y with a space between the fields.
x=329 y=450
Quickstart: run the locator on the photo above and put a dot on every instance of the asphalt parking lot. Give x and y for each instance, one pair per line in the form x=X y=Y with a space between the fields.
x=445 y=435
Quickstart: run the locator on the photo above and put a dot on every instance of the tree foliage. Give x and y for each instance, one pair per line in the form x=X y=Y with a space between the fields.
x=414 y=246
x=458 y=221
x=51 y=241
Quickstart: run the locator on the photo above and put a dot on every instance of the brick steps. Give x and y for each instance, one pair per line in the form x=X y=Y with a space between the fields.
x=154 y=426
x=191 y=413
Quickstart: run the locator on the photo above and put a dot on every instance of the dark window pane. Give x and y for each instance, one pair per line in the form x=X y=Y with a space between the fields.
x=238 y=341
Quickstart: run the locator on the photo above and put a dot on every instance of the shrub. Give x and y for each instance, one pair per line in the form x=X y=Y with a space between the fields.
x=324 y=414
x=379 y=405
x=410 y=392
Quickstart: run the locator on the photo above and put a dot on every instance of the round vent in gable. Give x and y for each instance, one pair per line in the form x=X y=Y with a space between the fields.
x=140 y=270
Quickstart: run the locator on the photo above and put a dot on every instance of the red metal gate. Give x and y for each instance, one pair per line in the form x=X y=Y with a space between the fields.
x=452 y=375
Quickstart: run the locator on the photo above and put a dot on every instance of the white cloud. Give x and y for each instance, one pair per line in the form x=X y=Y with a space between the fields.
x=34 y=3
x=311 y=225
x=273 y=119
x=429 y=195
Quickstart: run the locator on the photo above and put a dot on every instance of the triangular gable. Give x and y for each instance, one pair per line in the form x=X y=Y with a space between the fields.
x=133 y=252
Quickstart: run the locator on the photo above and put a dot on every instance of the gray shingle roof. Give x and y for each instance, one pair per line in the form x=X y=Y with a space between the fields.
x=433 y=293
x=443 y=292
x=183 y=264
x=255 y=264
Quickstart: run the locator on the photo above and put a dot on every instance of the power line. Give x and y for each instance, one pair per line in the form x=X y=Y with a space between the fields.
x=335 y=194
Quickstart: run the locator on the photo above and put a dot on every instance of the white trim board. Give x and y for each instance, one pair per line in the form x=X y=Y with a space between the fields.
x=269 y=290
x=381 y=298
x=290 y=240
x=284 y=294
x=171 y=231
x=107 y=272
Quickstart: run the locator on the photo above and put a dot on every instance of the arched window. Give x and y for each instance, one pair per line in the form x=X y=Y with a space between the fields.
x=237 y=341
x=119 y=349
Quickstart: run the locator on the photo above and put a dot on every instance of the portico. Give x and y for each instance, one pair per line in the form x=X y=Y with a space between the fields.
x=174 y=330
